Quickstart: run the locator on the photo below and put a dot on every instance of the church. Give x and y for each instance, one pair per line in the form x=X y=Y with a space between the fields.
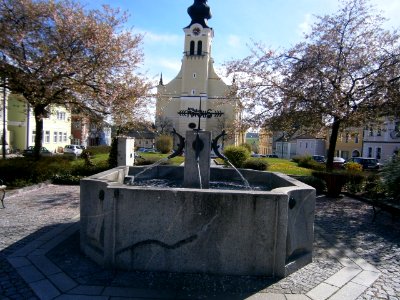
x=197 y=87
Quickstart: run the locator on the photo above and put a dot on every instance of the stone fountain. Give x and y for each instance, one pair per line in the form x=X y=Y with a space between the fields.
x=187 y=229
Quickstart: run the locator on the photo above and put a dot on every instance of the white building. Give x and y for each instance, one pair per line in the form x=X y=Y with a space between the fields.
x=308 y=145
x=382 y=141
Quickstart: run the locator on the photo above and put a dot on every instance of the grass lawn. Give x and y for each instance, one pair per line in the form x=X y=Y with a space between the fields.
x=286 y=167
x=176 y=161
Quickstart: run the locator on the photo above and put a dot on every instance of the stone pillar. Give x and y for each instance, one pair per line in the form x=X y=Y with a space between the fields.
x=191 y=172
x=126 y=151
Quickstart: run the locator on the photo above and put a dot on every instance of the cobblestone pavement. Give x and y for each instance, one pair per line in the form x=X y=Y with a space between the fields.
x=27 y=216
x=349 y=222
x=340 y=224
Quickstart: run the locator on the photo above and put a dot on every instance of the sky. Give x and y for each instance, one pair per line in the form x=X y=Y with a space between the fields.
x=236 y=24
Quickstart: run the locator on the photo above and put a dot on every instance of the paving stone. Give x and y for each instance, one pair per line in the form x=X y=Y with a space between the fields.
x=30 y=274
x=350 y=291
x=266 y=296
x=63 y=282
x=83 y=297
x=366 y=278
x=44 y=265
x=343 y=276
x=87 y=290
x=322 y=291
x=18 y=262
x=44 y=289
x=138 y=293
x=297 y=297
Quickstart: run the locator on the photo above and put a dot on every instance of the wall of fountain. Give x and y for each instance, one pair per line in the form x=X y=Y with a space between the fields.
x=237 y=232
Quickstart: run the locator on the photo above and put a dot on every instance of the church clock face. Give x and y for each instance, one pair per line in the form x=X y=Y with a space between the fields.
x=196 y=31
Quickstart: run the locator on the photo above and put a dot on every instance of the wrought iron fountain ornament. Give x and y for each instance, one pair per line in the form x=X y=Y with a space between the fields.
x=198 y=144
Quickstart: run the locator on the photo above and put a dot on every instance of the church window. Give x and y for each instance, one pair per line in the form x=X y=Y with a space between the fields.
x=193 y=92
x=192 y=48
x=199 y=48
x=194 y=75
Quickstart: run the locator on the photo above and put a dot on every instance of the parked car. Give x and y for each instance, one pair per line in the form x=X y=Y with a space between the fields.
x=272 y=156
x=338 y=162
x=367 y=163
x=319 y=158
x=31 y=150
x=148 y=150
x=75 y=150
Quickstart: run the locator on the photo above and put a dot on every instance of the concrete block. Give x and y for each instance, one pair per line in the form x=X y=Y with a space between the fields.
x=340 y=278
x=30 y=274
x=350 y=291
x=45 y=266
x=366 y=278
x=63 y=282
x=44 y=289
x=322 y=291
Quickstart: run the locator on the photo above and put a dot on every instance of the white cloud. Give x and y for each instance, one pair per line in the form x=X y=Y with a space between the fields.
x=305 y=26
x=234 y=40
x=170 y=65
x=390 y=10
x=165 y=38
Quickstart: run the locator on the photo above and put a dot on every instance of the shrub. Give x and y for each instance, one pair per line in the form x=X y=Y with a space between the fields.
x=146 y=161
x=309 y=163
x=247 y=146
x=23 y=171
x=355 y=181
x=94 y=150
x=255 y=164
x=164 y=143
x=113 y=156
x=374 y=187
x=391 y=178
x=86 y=156
x=237 y=155
x=353 y=167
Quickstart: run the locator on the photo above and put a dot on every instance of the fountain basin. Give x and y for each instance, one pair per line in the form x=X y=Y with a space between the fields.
x=232 y=232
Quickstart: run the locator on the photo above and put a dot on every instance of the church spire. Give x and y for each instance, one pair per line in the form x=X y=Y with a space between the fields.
x=200 y=12
x=161 y=80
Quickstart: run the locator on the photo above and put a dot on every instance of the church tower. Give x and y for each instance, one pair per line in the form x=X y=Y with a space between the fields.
x=196 y=82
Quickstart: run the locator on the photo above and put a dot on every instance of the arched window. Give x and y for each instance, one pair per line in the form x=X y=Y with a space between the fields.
x=192 y=48
x=199 y=48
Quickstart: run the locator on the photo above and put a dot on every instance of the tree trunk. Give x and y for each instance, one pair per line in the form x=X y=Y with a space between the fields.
x=332 y=143
x=39 y=112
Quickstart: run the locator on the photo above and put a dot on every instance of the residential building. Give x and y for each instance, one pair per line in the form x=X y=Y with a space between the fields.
x=197 y=86
x=382 y=140
x=349 y=143
x=143 y=138
x=309 y=145
x=285 y=147
x=265 y=142
x=22 y=125
x=89 y=131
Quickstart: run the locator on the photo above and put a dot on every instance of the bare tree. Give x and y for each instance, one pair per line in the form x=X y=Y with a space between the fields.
x=55 y=52
x=344 y=73
x=163 y=125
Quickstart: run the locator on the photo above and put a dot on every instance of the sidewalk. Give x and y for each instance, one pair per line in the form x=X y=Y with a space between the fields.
x=40 y=258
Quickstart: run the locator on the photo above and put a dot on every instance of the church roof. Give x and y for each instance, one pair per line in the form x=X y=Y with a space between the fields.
x=200 y=12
